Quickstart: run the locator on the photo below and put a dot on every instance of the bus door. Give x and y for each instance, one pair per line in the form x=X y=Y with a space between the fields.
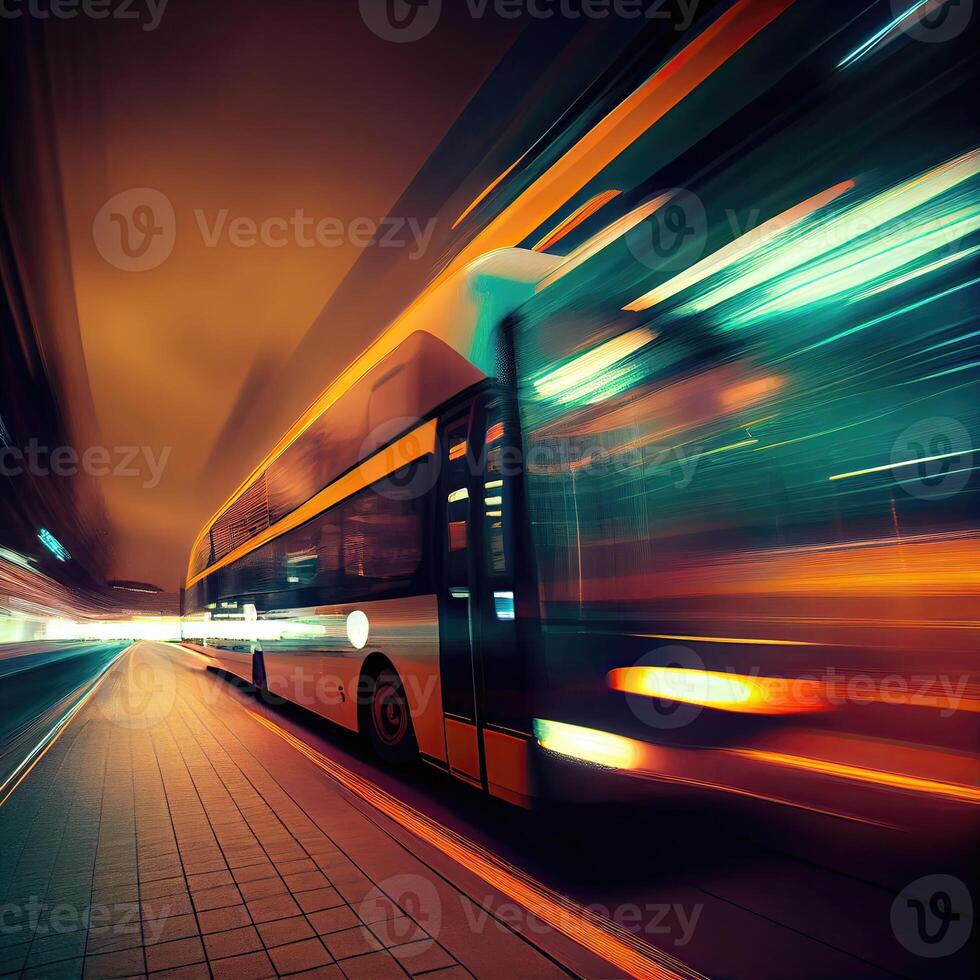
x=487 y=694
x=457 y=490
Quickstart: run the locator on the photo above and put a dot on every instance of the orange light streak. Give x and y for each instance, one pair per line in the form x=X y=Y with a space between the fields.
x=723 y=691
x=577 y=217
x=617 y=946
x=727 y=639
x=880 y=777
x=487 y=191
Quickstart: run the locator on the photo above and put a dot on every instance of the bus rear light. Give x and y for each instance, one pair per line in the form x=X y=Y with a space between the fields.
x=587 y=744
x=724 y=691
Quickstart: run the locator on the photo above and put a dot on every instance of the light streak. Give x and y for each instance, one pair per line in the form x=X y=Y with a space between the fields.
x=895 y=466
x=723 y=691
x=894 y=28
x=485 y=193
x=587 y=744
x=952 y=370
x=577 y=217
x=792 y=251
x=603 y=239
x=853 y=269
x=918 y=273
x=910 y=308
x=588 y=366
x=879 y=777
x=614 y=944
x=739 y=249
x=729 y=639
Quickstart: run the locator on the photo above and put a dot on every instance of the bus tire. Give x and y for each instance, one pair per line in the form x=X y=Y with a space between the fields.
x=389 y=721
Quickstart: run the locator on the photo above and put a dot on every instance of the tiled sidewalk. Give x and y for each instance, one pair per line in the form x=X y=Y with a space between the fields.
x=154 y=838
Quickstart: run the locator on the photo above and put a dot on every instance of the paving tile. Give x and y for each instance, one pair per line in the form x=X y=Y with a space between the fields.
x=169 y=928
x=376 y=907
x=305 y=881
x=220 y=920
x=282 y=931
x=276 y=907
x=397 y=932
x=420 y=957
x=125 y=963
x=179 y=952
x=52 y=949
x=64 y=970
x=198 y=971
x=216 y=898
x=303 y=955
x=294 y=867
x=332 y=972
x=249 y=966
x=333 y=920
x=254 y=872
x=319 y=898
x=350 y=942
x=163 y=888
x=232 y=943
x=373 y=966
x=160 y=908
x=209 y=879
x=262 y=888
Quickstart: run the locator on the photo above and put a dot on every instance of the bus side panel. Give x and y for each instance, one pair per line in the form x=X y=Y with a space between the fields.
x=316 y=665
x=233 y=661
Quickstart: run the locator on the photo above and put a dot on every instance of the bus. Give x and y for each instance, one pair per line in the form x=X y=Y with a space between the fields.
x=376 y=554
x=596 y=515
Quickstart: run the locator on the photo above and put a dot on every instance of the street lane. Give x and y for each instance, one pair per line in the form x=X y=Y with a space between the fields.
x=39 y=684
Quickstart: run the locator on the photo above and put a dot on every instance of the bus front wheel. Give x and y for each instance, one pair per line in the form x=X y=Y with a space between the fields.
x=389 y=719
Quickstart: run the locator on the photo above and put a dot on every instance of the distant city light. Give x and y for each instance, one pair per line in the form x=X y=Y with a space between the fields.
x=53 y=544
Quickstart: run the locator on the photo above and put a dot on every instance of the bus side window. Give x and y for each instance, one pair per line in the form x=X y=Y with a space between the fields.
x=457 y=505
x=501 y=460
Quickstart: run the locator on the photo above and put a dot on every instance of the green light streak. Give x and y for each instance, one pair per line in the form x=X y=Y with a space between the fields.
x=895 y=466
x=862 y=49
x=918 y=273
x=840 y=275
x=812 y=242
x=887 y=316
x=952 y=370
